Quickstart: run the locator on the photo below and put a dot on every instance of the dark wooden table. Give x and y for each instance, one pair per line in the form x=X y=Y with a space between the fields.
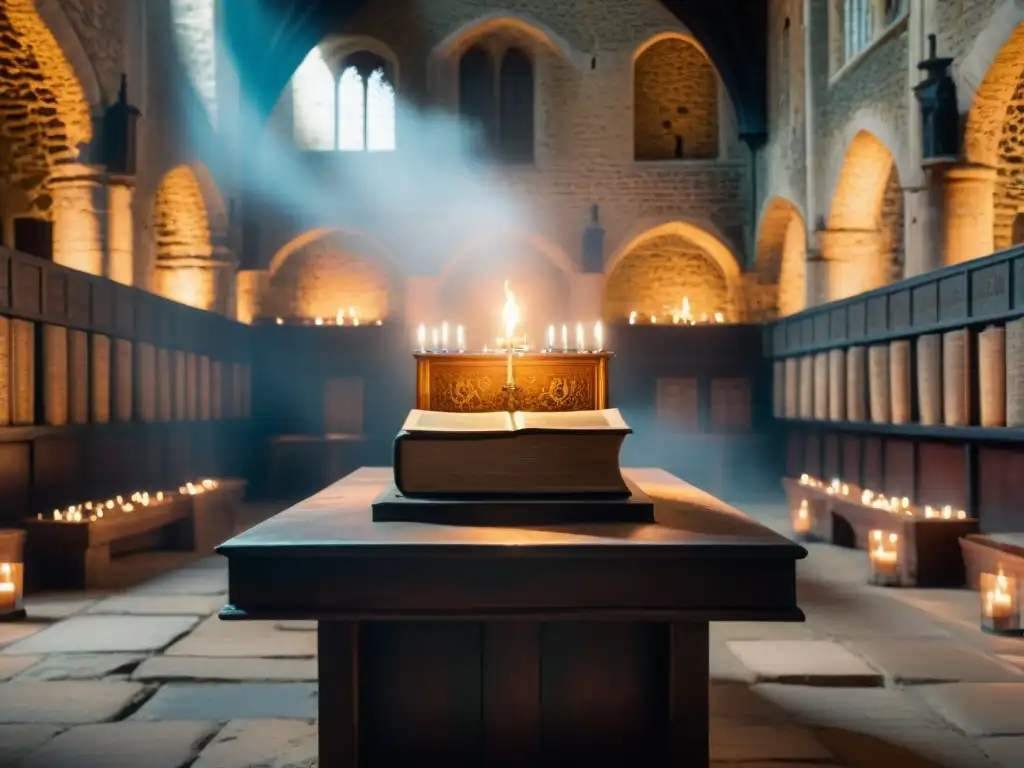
x=462 y=646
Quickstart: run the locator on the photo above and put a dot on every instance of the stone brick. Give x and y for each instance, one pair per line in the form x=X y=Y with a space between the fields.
x=223 y=702
x=245 y=639
x=278 y=743
x=804 y=662
x=980 y=709
x=79 y=666
x=68 y=703
x=84 y=634
x=165 y=745
x=16 y=741
x=164 y=668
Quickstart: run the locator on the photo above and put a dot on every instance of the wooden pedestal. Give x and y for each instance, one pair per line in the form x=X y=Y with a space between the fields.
x=560 y=645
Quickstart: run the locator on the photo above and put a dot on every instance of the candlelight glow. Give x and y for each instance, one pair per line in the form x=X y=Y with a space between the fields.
x=580 y=342
x=509 y=315
x=460 y=338
x=421 y=337
x=598 y=336
x=551 y=337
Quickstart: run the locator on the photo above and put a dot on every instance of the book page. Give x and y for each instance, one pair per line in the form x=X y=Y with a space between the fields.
x=929 y=379
x=441 y=421
x=878 y=383
x=1015 y=373
x=899 y=380
x=837 y=385
x=856 y=407
x=608 y=419
x=992 y=377
x=954 y=378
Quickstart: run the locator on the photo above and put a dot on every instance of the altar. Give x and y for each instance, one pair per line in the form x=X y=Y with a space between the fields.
x=520 y=646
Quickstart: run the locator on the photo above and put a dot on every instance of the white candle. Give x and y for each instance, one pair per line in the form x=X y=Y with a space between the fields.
x=433 y=339
x=598 y=336
x=551 y=337
x=444 y=336
x=421 y=337
x=508 y=376
x=580 y=342
x=565 y=338
x=460 y=338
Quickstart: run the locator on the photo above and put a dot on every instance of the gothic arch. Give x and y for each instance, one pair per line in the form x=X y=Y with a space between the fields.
x=703 y=235
x=282 y=254
x=781 y=257
x=552 y=251
x=56 y=20
x=213 y=202
x=463 y=37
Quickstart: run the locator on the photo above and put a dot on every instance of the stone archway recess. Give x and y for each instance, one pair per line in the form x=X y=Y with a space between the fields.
x=780 y=258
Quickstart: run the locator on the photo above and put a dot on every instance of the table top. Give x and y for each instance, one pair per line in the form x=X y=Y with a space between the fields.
x=339 y=518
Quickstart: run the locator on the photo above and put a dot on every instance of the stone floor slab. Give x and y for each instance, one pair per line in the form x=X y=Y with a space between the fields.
x=227 y=701
x=804 y=662
x=14 y=631
x=741 y=704
x=16 y=741
x=69 y=702
x=932 y=661
x=111 y=634
x=56 y=606
x=195 y=668
x=296 y=626
x=186 y=581
x=723 y=666
x=247 y=639
x=1004 y=751
x=980 y=709
x=159 y=605
x=112 y=745
x=262 y=743
x=848 y=611
x=724 y=631
x=80 y=666
x=743 y=742
x=12 y=665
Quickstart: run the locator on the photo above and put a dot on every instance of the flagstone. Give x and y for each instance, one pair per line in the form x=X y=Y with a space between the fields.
x=154 y=745
x=69 y=702
x=89 y=634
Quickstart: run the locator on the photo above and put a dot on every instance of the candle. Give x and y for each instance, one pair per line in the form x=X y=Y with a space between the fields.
x=580 y=343
x=8 y=596
x=999 y=611
x=565 y=338
x=318 y=321
x=509 y=381
x=444 y=336
x=460 y=338
x=421 y=338
x=433 y=339
x=339 y=318
x=884 y=557
x=551 y=337
x=510 y=319
x=632 y=317
x=598 y=337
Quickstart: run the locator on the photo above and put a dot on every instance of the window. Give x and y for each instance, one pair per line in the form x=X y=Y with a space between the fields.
x=497 y=97
x=864 y=21
x=350 y=107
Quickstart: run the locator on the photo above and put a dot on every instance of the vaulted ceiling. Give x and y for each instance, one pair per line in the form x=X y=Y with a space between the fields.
x=270 y=38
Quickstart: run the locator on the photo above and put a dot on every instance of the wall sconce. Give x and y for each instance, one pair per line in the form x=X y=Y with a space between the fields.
x=11 y=575
x=884 y=558
x=1000 y=604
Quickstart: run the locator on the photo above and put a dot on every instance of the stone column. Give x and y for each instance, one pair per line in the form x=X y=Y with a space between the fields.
x=78 y=226
x=968 y=213
x=586 y=290
x=225 y=267
x=120 y=225
x=250 y=289
x=921 y=249
x=851 y=262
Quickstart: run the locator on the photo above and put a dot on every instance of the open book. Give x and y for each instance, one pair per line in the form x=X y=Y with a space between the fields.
x=499 y=454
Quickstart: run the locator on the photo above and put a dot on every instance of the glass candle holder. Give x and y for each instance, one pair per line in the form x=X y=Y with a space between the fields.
x=801 y=518
x=884 y=558
x=11 y=584
x=1000 y=604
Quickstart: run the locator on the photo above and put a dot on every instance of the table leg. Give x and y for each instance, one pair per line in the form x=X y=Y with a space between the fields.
x=688 y=694
x=337 y=662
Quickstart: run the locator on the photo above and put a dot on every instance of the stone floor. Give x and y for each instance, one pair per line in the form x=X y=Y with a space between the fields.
x=146 y=676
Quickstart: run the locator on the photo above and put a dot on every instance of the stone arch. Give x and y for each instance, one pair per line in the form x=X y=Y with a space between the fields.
x=676 y=110
x=539 y=274
x=328 y=270
x=781 y=257
x=213 y=202
x=456 y=42
x=46 y=115
x=656 y=268
x=56 y=20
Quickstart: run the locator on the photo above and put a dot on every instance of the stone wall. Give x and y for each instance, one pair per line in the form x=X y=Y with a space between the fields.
x=891 y=226
x=784 y=155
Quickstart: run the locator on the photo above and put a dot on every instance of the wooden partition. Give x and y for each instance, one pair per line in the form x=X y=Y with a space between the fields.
x=938 y=363
x=106 y=389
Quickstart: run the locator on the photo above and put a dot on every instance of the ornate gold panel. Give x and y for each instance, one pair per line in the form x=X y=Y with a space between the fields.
x=471 y=383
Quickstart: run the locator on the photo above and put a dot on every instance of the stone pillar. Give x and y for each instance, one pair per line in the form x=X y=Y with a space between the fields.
x=968 y=213
x=120 y=226
x=78 y=226
x=921 y=248
x=225 y=267
x=850 y=261
x=250 y=289
x=586 y=290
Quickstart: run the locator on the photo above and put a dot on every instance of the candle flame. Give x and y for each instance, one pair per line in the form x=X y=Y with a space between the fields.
x=509 y=314
x=686 y=315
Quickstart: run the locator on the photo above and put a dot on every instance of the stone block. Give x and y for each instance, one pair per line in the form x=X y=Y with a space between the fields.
x=1004 y=751
x=52 y=608
x=743 y=742
x=230 y=701
x=12 y=665
x=246 y=639
x=187 y=581
x=980 y=709
x=804 y=662
x=13 y=632
x=933 y=661
x=159 y=605
x=155 y=745
x=106 y=634
x=16 y=741
x=65 y=703
x=80 y=666
x=167 y=668
x=269 y=743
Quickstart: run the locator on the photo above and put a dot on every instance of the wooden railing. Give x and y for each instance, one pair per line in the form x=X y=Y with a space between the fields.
x=107 y=389
x=969 y=466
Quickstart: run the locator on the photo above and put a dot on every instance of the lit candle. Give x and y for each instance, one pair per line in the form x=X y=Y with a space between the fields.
x=8 y=597
x=433 y=340
x=632 y=317
x=318 y=321
x=421 y=338
x=444 y=336
x=654 y=318
x=279 y=321
x=510 y=319
x=580 y=343
x=353 y=315
x=339 y=318
x=598 y=336
x=565 y=338
x=509 y=381
x=998 y=601
x=551 y=337
x=460 y=338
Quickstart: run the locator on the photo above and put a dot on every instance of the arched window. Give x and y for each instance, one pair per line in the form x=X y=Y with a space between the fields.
x=349 y=108
x=500 y=100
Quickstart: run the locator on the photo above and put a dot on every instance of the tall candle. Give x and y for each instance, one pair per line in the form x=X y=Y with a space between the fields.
x=551 y=337
x=433 y=339
x=509 y=381
x=580 y=343
x=460 y=338
x=565 y=338
x=444 y=336
x=598 y=336
x=421 y=337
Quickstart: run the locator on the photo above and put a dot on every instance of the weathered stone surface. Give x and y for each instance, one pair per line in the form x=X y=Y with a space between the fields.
x=69 y=702
x=723 y=631
x=804 y=662
x=296 y=626
x=980 y=709
x=1004 y=751
x=724 y=666
x=159 y=605
x=156 y=745
x=225 y=669
x=12 y=665
x=12 y=632
x=223 y=702
x=84 y=634
x=742 y=742
x=54 y=607
x=265 y=743
x=247 y=639
x=16 y=741
x=842 y=611
x=741 y=704
x=187 y=581
x=924 y=661
x=79 y=666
